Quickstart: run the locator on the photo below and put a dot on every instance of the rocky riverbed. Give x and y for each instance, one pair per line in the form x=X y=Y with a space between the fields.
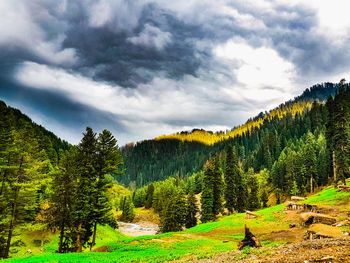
x=140 y=228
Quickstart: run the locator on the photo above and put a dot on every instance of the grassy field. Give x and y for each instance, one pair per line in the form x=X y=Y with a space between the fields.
x=330 y=196
x=204 y=240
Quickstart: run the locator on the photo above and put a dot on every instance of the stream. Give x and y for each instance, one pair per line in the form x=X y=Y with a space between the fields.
x=138 y=229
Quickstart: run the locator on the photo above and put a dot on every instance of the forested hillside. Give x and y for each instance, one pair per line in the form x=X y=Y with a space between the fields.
x=259 y=141
x=47 y=184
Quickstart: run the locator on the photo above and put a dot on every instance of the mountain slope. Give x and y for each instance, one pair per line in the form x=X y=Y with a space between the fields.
x=13 y=121
x=183 y=153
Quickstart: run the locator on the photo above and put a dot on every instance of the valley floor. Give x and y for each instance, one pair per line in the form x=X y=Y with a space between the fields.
x=217 y=241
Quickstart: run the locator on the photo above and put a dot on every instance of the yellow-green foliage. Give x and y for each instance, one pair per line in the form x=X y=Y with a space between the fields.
x=116 y=192
x=210 y=138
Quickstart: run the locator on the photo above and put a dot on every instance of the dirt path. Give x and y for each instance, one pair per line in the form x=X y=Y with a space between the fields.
x=321 y=250
x=140 y=228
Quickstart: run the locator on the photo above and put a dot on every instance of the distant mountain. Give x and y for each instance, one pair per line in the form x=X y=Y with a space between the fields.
x=184 y=153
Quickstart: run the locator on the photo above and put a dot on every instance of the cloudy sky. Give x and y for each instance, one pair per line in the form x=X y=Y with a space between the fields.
x=146 y=68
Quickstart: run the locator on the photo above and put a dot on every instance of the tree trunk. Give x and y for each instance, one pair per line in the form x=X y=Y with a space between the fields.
x=311 y=185
x=93 y=237
x=12 y=223
x=79 y=244
x=61 y=238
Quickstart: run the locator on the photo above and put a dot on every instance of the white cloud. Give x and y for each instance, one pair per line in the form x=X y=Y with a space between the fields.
x=259 y=68
x=19 y=30
x=160 y=107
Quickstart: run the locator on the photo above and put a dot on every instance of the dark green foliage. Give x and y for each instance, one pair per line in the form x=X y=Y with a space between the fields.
x=253 y=201
x=338 y=130
x=28 y=156
x=127 y=207
x=264 y=198
x=212 y=194
x=231 y=180
x=218 y=188
x=149 y=196
x=174 y=216
x=139 y=197
x=63 y=199
x=207 y=197
x=192 y=210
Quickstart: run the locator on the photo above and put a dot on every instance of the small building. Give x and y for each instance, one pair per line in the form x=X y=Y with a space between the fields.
x=250 y=215
x=313 y=218
x=297 y=198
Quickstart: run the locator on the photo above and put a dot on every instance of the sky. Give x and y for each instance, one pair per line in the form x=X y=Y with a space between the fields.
x=146 y=68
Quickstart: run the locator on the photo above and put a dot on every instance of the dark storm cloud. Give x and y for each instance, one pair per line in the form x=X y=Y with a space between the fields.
x=59 y=109
x=165 y=51
x=110 y=55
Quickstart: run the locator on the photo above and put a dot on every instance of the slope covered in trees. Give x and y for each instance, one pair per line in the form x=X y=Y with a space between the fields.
x=259 y=141
x=45 y=183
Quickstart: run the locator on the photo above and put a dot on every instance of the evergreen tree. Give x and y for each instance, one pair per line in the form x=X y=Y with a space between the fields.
x=309 y=159
x=217 y=188
x=253 y=197
x=230 y=182
x=87 y=176
x=295 y=190
x=192 y=210
x=149 y=196
x=341 y=133
x=174 y=216
x=207 y=197
x=128 y=213
x=109 y=161
x=64 y=188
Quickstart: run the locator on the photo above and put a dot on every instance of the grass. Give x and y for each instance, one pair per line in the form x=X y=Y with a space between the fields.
x=329 y=196
x=202 y=241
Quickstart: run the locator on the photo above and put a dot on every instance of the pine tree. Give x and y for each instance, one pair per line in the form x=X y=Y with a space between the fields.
x=253 y=197
x=149 y=196
x=341 y=133
x=109 y=161
x=63 y=198
x=309 y=159
x=192 y=210
x=207 y=197
x=295 y=189
x=217 y=188
x=174 y=216
x=20 y=189
x=87 y=176
x=128 y=213
x=230 y=182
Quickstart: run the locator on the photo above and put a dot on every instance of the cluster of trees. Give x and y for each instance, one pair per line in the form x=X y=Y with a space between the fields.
x=337 y=132
x=80 y=199
x=48 y=184
x=175 y=201
x=28 y=157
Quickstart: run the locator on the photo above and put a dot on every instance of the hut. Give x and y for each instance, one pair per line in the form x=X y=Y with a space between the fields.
x=250 y=215
x=313 y=218
x=297 y=198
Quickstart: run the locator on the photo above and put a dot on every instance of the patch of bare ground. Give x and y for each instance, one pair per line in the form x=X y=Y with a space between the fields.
x=335 y=250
